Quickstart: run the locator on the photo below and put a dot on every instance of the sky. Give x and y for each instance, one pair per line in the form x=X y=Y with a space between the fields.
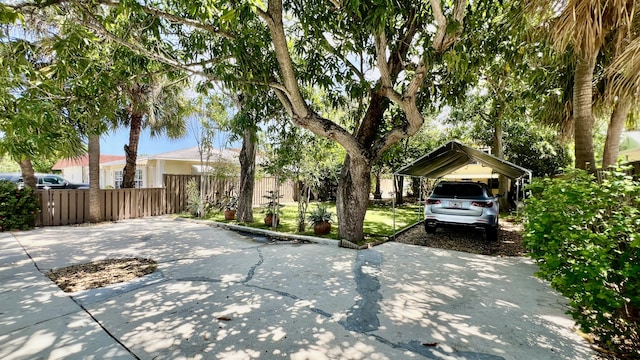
x=113 y=143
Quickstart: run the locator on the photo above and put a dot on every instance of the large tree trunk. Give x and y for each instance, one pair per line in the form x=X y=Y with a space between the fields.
x=95 y=209
x=247 y=176
x=614 y=131
x=353 y=197
x=377 y=194
x=131 y=151
x=583 y=113
x=399 y=190
x=28 y=175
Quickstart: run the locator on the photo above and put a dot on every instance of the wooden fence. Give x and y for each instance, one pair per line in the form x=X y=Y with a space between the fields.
x=176 y=186
x=67 y=207
x=633 y=169
x=216 y=189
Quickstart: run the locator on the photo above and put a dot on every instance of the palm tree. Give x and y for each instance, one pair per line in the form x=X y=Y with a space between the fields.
x=614 y=131
x=623 y=75
x=155 y=104
x=95 y=210
x=585 y=25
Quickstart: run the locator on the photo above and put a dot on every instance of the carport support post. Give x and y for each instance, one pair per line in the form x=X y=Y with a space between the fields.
x=420 y=197
x=393 y=202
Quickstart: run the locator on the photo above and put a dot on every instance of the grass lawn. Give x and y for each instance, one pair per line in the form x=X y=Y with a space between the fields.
x=378 y=223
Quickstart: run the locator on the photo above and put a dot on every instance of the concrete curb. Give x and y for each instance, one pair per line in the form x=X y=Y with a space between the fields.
x=402 y=231
x=286 y=236
x=267 y=233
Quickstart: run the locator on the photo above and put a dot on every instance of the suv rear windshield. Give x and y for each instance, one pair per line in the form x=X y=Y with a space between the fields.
x=458 y=190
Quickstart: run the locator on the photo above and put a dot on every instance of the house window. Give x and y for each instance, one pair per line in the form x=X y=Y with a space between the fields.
x=117 y=178
x=138 y=178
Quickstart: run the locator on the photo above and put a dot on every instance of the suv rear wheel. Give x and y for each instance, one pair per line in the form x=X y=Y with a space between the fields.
x=492 y=233
x=429 y=229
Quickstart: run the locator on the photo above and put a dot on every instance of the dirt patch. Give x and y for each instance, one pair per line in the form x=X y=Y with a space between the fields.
x=100 y=273
x=469 y=240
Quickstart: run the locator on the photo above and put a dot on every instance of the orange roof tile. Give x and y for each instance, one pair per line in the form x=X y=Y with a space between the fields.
x=84 y=161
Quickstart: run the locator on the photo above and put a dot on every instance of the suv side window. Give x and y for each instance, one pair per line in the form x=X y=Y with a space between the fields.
x=55 y=180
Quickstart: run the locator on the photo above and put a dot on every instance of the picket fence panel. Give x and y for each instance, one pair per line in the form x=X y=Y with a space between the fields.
x=69 y=207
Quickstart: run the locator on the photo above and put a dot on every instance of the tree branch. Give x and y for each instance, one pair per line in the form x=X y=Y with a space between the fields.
x=414 y=123
x=284 y=99
x=273 y=17
x=147 y=9
x=31 y=5
x=100 y=30
x=289 y=91
x=336 y=3
x=325 y=43
x=398 y=62
x=175 y=19
x=383 y=66
x=442 y=40
x=407 y=102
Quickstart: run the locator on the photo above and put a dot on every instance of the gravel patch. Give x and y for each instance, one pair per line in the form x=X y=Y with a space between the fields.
x=469 y=240
x=100 y=273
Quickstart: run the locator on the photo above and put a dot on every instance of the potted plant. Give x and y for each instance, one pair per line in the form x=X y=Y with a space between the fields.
x=270 y=215
x=230 y=206
x=273 y=210
x=321 y=219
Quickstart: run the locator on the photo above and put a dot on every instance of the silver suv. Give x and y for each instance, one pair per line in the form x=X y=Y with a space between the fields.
x=462 y=203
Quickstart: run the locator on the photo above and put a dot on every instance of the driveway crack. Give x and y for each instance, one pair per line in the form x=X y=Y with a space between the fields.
x=252 y=271
x=363 y=316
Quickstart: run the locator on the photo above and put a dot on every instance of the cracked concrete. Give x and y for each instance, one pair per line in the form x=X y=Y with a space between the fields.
x=218 y=294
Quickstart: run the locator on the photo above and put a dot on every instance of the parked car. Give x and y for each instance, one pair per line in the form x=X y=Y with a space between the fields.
x=45 y=181
x=462 y=203
x=14 y=178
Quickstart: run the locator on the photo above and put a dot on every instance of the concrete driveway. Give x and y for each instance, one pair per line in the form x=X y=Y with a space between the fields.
x=221 y=295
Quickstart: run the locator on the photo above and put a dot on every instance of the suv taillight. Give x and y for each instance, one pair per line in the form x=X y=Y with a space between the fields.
x=483 y=204
x=432 y=202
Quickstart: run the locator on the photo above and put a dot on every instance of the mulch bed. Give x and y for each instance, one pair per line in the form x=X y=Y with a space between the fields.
x=100 y=273
x=469 y=240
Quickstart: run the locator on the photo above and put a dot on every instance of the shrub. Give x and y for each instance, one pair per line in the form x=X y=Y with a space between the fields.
x=273 y=207
x=18 y=207
x=320 y=214
x=193 y=197
x=585 y=237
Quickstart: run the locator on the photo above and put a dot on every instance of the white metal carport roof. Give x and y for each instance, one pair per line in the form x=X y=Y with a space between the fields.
x=454 y=155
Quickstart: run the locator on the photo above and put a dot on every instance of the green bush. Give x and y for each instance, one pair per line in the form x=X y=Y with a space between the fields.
x=18 y=207
x=193 y=197
x=585 y=236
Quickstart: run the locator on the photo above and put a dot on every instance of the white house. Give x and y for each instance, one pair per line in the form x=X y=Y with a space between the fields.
x=151 y=168
x=76 y=169
x=630 y=146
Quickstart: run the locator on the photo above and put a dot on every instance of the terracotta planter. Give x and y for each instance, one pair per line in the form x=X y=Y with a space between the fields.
x=268 y=220
x=229 y=214
x=322 y=228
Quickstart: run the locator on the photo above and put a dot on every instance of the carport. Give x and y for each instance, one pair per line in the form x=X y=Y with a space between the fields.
x=452 y=156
